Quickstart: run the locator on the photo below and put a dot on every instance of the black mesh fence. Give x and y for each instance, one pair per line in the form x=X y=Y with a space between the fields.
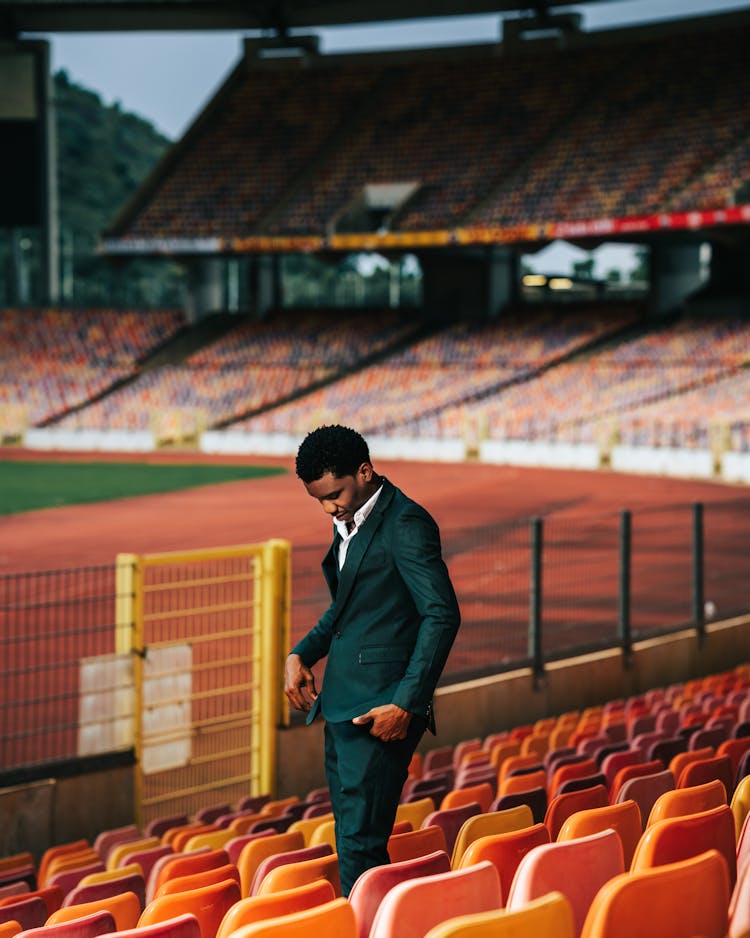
x=49 y=623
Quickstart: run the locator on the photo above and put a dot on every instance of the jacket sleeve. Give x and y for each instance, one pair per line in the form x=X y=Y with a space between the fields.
x=416 y=550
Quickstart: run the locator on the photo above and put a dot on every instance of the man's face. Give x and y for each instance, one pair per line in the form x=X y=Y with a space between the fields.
x=341 y=496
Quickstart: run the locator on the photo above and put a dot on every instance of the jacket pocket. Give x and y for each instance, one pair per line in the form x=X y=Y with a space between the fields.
x=382 y=654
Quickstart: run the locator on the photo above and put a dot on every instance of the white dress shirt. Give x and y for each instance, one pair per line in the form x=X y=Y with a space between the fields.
x=360 y=516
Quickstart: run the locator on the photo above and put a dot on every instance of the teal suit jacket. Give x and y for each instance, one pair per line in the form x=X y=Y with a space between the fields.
x=393 y=615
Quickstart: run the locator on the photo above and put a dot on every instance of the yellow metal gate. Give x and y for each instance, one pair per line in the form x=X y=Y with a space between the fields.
x=207 y=630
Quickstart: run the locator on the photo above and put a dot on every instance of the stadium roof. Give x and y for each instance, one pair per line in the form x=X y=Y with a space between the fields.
x=24 y=16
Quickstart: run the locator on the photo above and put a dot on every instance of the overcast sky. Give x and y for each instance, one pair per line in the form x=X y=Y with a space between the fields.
x=168 y=77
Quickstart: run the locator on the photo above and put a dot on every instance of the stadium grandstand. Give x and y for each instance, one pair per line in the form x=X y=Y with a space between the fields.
x=359 y=237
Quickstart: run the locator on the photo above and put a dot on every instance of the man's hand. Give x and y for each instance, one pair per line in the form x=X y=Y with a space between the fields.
x=389 y=722
x=299 y=684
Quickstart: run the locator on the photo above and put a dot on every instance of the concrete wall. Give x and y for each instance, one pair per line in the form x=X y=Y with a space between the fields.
x=56 y=811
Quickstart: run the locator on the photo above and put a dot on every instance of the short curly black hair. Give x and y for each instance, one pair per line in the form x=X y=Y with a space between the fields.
x=335 y=449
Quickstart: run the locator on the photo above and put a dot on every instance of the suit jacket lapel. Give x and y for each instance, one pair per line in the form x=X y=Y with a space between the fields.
x=359 y=544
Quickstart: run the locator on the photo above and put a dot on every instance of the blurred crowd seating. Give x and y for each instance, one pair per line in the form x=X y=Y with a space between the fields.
x=537 y=373
x=254 y=365
x=625 y=818
x=561 y=134
x=459 y=362
x=52 y=360
x=683 y=376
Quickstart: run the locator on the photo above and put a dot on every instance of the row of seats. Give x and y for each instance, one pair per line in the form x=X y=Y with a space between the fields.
x=620 y=847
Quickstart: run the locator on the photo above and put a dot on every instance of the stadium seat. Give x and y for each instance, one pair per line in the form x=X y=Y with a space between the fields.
x=623 y=817
x=290 y=875
x=576 y=868
x=209 y=905
x=504 y=851
x=563 y=806
x=450 y=820
x=484 y=825
x=691 y=800
x=416 y=843
x=334 y=918
x=89 y=926
x=370 y=888
x=124 y=906
x=677 y=838
x=259 y=908
x=412 y=907
x=288 y=856
x=549 y=915
x=678 y=900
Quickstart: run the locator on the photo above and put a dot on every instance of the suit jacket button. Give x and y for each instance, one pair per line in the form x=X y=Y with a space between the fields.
x=337 y=634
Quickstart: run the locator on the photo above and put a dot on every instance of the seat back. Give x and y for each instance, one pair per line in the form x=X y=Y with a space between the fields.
x=197 y=880
x=371 y=886
x=678 y=900
x=550 y=915
x=125 y=908
x=562 y=806
x=118 y=854
x=289 y=856
x=679 y=838
x=28 y=911
x=51 y=853
x=706 y=770
x=254 y=852
x=333 y=919
x=693 y=800
x=625 y=818
x=494 y=822
x=259 y=908
x=740 y=803
x=505 y=851
x=209 y=905
x=52 y=897
x=213 y=840
x=482 y=794
x=534 y=798
x=411 y=908
x=415 y=811
x=450 y=820
x=418 y=843
x=576 y=868
x=92 y=892
x=182 y=864
x=307 y=825
x=89 y=926
x=289 y=875
x=108 y=839
x=645 y=791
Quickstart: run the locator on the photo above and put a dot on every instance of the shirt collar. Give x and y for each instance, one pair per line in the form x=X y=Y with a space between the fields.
x=360 y=516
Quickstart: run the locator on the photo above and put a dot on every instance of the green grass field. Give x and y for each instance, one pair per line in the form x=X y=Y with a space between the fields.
x=26 y=486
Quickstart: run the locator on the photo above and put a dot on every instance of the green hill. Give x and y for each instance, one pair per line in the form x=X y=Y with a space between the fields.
x=104 y=153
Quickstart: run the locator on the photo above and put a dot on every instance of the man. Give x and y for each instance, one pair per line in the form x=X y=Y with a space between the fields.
x=387 y=634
